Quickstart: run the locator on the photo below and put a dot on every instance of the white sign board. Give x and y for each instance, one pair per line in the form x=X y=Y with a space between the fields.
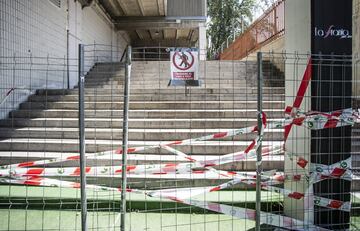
x=184 y=65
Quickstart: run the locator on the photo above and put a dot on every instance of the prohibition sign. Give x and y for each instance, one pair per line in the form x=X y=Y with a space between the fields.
x=181 y=60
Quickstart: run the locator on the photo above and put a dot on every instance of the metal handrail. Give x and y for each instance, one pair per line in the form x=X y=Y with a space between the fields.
x=8 y=93
x=249 y=31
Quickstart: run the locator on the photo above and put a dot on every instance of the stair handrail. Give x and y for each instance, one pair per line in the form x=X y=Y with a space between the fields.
x=8 y=93
x=123 y=54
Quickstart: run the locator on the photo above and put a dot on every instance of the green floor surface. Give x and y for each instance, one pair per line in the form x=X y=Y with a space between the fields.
x=70 y=220
x=31 y=192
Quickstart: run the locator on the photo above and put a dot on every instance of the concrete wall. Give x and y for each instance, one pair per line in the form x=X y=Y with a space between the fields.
x=272 y=51
x=297 y=39
x=35 y=31
x=275 y=46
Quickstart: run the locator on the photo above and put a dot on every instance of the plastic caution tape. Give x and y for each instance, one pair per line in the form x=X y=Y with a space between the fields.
x=299 y=96
x=265 y=218
x=332 y=204
x=316 y=120
x=229 y=133
x=319 y=172
x=160 y=169
x=253 y=146
x=319 y=120
x=154 y=169
x=238 y=212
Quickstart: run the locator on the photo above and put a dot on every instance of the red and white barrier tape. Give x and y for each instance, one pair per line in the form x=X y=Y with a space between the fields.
x=254 y=144
x=332 y=204
x=299 y=96
x=22 y=174
x=265 y=218
x=319 y=172
x=313 y=121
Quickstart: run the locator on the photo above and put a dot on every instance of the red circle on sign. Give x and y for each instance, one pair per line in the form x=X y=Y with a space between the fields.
x=186 y=67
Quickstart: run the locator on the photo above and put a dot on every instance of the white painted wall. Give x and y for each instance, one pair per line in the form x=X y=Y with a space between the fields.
x=34 y=46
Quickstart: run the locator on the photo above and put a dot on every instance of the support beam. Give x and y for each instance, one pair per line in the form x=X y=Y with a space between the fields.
x=116 y=7
x=139 y=35
x=163 y=43
x=169 y=33
x=191 y=32
x=85 y=3
x=156 y=34
x=160 y=5
x=195 y=35
x=123 y=6
x=141 y=7
x=133 y=25
x=151 y=37
x=159 y=19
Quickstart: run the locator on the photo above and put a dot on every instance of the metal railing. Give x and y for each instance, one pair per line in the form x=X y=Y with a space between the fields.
x=151 y=53
x=270 y=26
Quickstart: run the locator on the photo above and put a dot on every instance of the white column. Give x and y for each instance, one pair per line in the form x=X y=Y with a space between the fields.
x=202 y=41
x=297 y=39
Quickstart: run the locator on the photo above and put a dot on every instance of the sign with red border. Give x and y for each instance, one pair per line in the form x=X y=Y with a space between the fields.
x=184 y=64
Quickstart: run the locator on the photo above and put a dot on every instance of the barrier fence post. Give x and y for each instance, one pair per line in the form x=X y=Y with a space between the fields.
x=125 y=136
x=81 y=82
x=259 y=149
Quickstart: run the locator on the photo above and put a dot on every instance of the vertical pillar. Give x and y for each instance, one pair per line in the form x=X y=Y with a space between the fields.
x=297 y=40
x=331 y=90
x=82 y=139
x=356 y=47
x=259 y=130
x=202 y=42
x=125 y=137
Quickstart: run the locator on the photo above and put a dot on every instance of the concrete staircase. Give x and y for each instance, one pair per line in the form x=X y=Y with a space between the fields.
x=46 y=125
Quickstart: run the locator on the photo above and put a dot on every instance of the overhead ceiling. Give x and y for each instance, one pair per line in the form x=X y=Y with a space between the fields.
x=148 y=24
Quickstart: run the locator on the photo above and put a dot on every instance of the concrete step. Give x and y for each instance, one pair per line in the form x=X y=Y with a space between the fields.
x=151 y=97
x=156 y=105
x=134 y=134
x=156 y=80
x=156 y=85
x=140 y=86
x=156 y=113
x=169 y=90
x=142 y=123
x=71 y=145
x=142 y=76
x=269 y=162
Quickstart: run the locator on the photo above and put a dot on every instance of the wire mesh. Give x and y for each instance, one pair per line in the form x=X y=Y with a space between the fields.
x=190 y=163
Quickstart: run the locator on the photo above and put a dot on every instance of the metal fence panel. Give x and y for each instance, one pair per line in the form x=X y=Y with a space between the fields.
x=192 y=157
